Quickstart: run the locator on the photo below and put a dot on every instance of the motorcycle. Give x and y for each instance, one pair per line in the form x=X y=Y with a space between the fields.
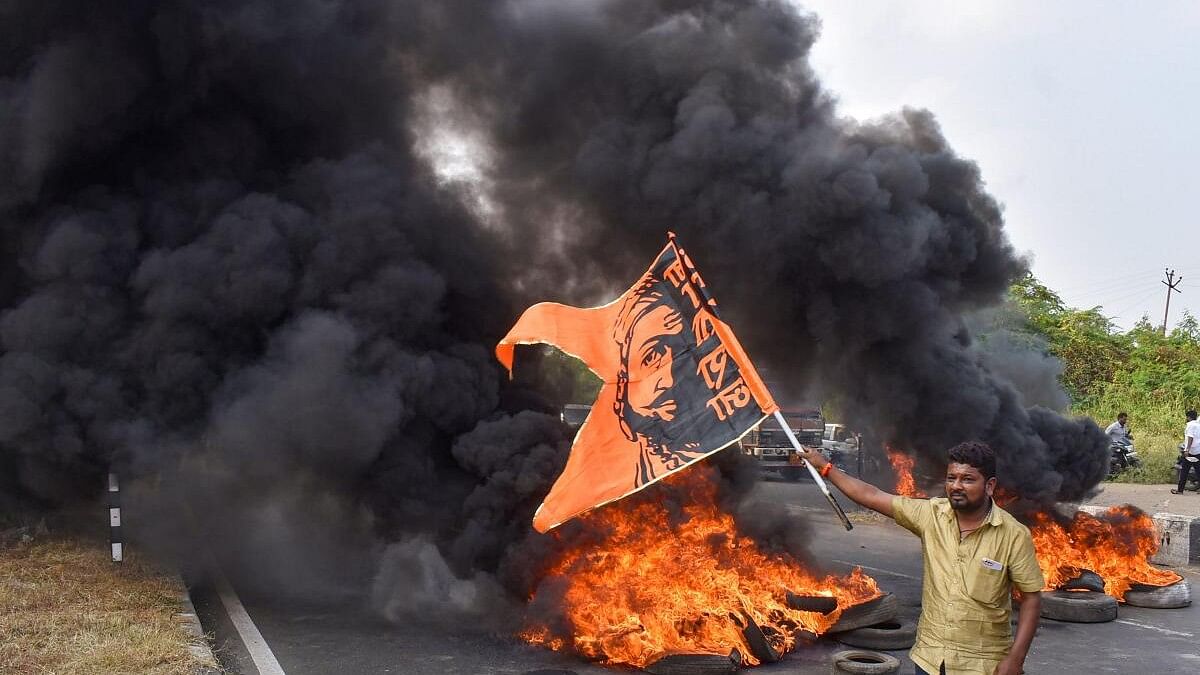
x=1193 y=479
x=1122 y=456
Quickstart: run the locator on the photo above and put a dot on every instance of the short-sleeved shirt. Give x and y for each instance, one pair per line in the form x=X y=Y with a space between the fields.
x=966 y=602
x=1193 y=430
x=1117 y=433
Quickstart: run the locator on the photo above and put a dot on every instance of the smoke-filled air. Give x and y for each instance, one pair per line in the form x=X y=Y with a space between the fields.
x=256 y=256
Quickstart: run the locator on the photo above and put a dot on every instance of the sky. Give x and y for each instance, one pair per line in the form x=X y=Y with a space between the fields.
x=1083 y=117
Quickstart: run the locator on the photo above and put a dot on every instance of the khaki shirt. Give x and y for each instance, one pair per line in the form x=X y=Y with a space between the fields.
x=966 y=603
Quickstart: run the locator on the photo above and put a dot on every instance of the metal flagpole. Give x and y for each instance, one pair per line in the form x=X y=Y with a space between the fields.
x=816 y=476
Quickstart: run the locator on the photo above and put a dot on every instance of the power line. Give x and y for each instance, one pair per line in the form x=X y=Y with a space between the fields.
x=1111 y=281
x=1135 y=303
x=1121 y=297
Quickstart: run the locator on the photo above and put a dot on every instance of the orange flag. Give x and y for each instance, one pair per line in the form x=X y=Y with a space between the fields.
x=677 y=384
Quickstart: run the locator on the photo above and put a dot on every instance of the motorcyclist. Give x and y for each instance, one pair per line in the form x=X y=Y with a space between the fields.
x=1118 y=432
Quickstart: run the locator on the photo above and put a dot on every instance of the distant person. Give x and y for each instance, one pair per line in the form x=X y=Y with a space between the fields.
x=1191 y=451
x=975 y=555
x=1118 y=432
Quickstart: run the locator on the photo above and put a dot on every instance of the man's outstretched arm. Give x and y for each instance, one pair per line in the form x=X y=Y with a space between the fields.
x=861 y=492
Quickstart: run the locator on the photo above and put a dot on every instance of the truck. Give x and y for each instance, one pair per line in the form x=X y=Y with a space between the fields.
x=774 y=451
x=574 y=414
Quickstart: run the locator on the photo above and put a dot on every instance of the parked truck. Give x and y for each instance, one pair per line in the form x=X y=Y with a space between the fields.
x=774 y=451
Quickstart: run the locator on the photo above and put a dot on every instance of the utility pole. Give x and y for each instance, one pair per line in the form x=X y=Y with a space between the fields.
x=1171 y=284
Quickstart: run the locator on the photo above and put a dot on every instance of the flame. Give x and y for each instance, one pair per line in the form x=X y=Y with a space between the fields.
x=667 y=580
x=1117 y=546
x=902 y=464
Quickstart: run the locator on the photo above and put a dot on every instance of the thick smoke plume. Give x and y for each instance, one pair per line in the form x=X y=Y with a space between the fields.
x=227 y=247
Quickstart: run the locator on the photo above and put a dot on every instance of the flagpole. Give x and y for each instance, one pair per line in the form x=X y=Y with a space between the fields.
x=816 y=476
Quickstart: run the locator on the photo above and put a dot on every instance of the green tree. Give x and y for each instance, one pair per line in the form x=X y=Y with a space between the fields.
x=1084 y=339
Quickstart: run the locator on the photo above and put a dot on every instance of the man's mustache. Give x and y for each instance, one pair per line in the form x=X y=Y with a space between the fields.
x=664 y=398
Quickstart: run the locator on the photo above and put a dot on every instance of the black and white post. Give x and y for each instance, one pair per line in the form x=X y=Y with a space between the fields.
x=114 y=518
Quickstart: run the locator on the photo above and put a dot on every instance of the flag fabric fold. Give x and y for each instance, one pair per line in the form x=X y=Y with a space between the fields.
x=677 y=385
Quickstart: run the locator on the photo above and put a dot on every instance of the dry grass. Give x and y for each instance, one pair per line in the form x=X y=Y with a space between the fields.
x=66 y=609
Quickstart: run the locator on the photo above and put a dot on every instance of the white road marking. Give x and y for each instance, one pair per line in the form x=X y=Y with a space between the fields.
x=1165 y=631
x=260 y=652
x=878 y=569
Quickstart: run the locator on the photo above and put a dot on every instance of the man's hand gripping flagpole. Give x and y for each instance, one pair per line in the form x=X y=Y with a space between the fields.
x=813 y=472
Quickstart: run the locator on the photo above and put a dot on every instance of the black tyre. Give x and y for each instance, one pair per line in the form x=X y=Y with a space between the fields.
x=883 y=609
x=694 y=664
x=1079 y=606
x=792 y=473
x=859 y=662
x=1087 y=580
x=1178 y=594
x=888 y=636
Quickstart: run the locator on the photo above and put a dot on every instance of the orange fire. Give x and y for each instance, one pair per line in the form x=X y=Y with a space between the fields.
x=902 y=464
x=1117 y=546
x=665 y=580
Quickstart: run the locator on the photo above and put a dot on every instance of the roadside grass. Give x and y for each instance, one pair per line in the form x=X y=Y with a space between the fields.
x=67 y=609
x=1158 y=453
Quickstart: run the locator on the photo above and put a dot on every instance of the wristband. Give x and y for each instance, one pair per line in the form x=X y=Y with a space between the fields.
x=824 y=471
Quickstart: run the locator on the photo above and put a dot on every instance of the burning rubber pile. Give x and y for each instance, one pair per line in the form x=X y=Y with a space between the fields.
x=1116 y=546
x=658 y=583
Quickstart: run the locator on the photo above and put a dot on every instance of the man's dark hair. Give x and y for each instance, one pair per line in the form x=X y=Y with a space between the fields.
x=1122 y=414
x=1191 y=414
x=976 y=454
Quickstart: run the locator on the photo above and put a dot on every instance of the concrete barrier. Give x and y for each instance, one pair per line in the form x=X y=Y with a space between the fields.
x=1178 y=537
x=1178 y=540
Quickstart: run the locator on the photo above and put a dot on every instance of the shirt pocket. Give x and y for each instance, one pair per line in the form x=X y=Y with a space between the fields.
x=986 y=586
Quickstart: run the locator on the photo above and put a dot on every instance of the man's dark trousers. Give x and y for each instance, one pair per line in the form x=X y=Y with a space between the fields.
x=1185 y=467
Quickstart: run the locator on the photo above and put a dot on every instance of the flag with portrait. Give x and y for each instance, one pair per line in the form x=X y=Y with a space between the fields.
x=677 y=385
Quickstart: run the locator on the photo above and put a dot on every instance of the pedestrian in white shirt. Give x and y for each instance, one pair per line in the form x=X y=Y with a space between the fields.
x=1191 y=449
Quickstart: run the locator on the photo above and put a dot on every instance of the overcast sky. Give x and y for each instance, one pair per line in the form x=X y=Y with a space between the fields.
x=1083 y=117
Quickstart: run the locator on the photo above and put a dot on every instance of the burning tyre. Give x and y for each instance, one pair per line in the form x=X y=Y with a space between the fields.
x=882 y=609
x=695 y=664
x=1173 y=596
x=859 y=662
x=1086 y=581
x=888 y=636
x=1078 y=606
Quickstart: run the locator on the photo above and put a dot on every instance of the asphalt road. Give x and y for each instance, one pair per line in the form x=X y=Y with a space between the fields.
x=340 y=636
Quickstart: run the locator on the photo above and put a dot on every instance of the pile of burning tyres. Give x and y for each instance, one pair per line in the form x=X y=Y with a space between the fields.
x=1094 y=562
x=1091 y=563
x=661 y=582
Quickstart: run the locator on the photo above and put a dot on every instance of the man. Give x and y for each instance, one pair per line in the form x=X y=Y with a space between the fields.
x=1118 y=432
x=1191 y=451
x=975 y=554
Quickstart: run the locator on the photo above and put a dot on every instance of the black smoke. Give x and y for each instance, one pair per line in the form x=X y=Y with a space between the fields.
x=846 y=253
x=225 y=248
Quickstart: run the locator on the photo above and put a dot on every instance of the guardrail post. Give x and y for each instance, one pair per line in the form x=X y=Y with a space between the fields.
x=114 y=518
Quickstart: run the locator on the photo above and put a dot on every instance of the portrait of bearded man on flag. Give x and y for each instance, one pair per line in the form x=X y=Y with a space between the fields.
x=677 y=386
x=652 y=405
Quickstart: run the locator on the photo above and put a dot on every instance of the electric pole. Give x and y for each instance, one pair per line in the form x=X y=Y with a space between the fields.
x=1171 y=284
